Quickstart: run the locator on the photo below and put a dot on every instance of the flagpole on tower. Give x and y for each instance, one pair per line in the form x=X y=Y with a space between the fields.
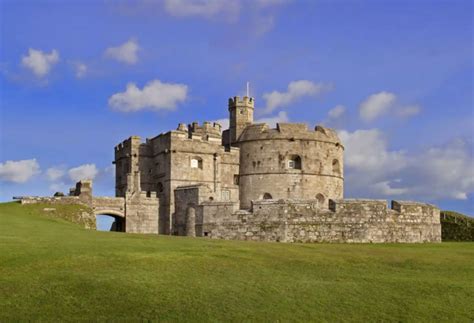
x=248 y=89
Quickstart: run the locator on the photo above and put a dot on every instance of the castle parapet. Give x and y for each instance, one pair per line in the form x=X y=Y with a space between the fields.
x=208 y=131
x=357 y=205
x=236 y=101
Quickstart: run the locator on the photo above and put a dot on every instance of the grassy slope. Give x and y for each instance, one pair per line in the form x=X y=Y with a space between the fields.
x=456 y=227
x=53 y=269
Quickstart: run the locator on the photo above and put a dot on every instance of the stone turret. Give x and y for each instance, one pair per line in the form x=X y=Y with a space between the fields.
x=240 y=116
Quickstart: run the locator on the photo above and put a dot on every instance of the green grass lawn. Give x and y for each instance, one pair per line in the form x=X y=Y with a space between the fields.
x=51 y=269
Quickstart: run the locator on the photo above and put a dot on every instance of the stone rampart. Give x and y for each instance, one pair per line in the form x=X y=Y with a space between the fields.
x=357 y=221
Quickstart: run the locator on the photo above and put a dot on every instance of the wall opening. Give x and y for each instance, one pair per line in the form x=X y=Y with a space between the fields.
x=108 y=222
x=336 y=167
x=267 y=196
x=294 y=162
x=225 y=195
x=320 y=198
x=196 y=162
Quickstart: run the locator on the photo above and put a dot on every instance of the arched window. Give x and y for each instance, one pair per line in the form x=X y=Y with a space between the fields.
x=196 y=162
x=336 y=167
x=160 y=187
x=320 y=198
x=294 y=162
x=267 y=196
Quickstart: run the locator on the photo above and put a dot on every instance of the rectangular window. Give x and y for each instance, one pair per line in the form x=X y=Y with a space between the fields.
x=236 y=179
x=194 y=163
x=226 y=195
x=291 y=164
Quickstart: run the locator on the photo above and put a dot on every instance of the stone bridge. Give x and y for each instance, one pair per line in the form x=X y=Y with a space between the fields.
x=113 y=206
x=137 y=212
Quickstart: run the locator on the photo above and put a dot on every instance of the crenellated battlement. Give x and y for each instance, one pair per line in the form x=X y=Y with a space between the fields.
x=299 y=220
x=206 y=127
x=289 y=131
x=245 y=101
x=128 y=144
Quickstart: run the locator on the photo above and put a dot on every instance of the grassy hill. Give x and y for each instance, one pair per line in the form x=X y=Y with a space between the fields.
x=456 y=227
x=51 y=269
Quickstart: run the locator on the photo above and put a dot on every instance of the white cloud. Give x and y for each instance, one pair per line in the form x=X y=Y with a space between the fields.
x=385 y=188
x=376 y=105
x=379 y=104
x=223 y=122
x=83 y=172
x=442 y=172
x=282 y=116
x=295 y=91
x=408 y=111
x=263 y=24
x=372 y=170
x=155 y=95
x=337 y=112
x=59 y=187
x=203 y=8
x=81 y=70
x=19 y=171
x=55 y=173
x=40 y=63
x=272 y=121
x=366 y=151
x=126 y=53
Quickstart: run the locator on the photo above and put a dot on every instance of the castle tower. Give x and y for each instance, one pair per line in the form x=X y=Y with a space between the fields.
x=240 y=116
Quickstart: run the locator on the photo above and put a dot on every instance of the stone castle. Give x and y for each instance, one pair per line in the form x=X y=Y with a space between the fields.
x=249 y=182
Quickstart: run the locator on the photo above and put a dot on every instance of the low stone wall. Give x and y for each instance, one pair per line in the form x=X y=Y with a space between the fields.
x=356 y=221
x=50 y=200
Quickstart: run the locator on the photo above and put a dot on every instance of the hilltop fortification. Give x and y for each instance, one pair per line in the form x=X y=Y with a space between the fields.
x=248 y=182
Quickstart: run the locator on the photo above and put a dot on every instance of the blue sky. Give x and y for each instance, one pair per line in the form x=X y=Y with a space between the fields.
x=395 y=78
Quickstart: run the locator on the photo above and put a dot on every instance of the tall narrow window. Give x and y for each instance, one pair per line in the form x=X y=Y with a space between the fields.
x=320 y=198
x=336 y=167
x=226 y=195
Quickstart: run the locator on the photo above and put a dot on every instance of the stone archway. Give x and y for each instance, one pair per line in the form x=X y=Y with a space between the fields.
x=118 y=223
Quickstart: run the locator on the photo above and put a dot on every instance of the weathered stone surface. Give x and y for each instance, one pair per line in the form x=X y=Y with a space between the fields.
x=358 y=221
x=135 y=213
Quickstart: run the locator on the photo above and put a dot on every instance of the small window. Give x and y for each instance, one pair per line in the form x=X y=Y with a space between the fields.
x=241 y=111
x=196 y=162
x=336 y=167
x=267 y=196
x=320 y=198
x=226 y=195
x=148 y=194
x=160 y=187
x=236 y=179
x=294 y=162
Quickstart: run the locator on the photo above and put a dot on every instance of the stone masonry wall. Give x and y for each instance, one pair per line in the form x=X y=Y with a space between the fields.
x=359 y=221
x=141 y=213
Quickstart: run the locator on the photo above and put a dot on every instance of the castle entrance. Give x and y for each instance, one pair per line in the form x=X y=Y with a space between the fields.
x=110 y=222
